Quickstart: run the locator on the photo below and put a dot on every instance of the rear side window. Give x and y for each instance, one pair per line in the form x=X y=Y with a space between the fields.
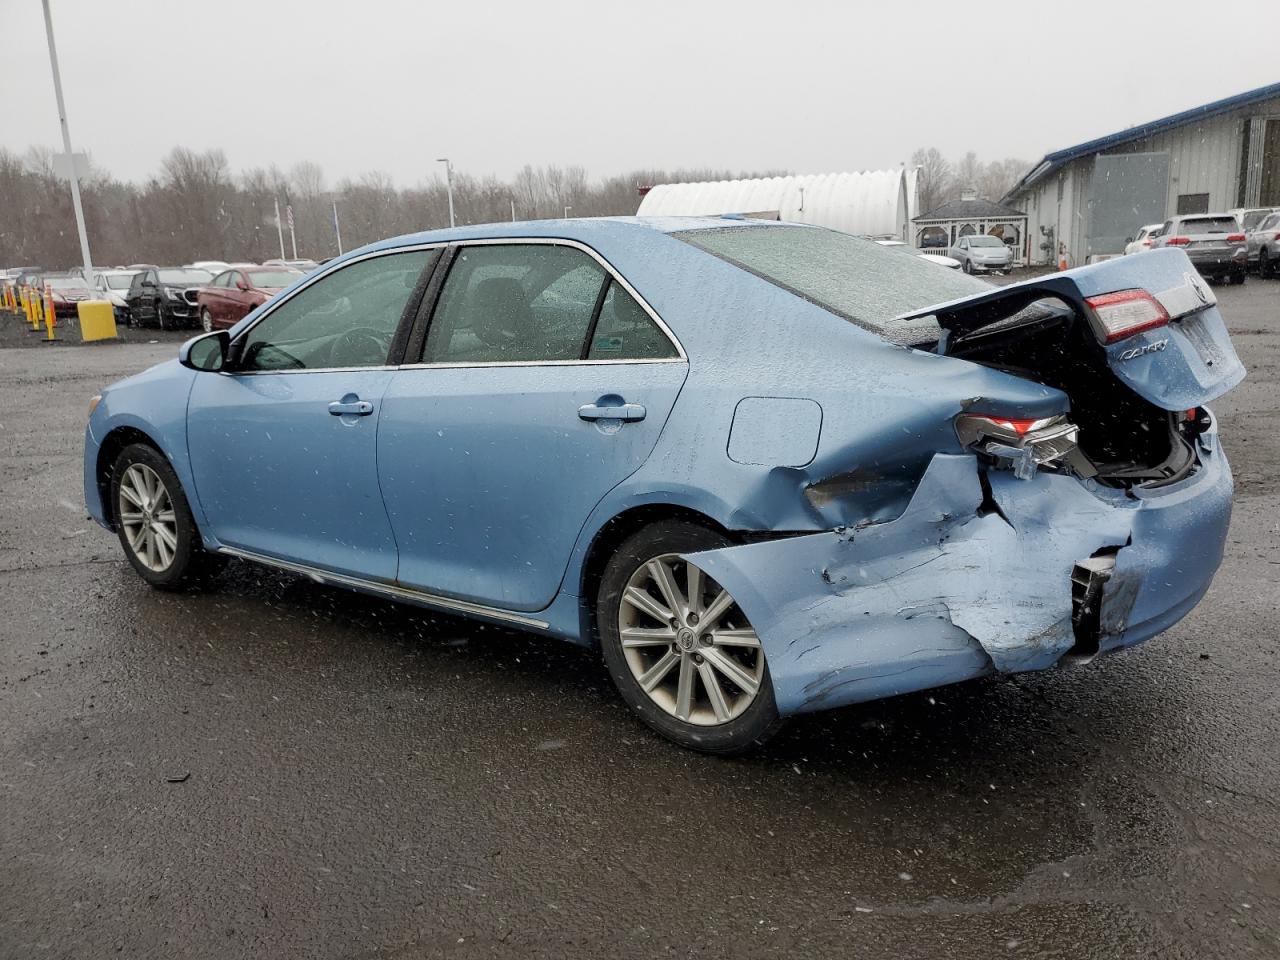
x=1210 y=225
x=850 y=276
x=533 y=302
x=625 y=331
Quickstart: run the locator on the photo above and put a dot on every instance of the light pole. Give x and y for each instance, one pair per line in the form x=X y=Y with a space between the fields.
x=448 y=180
x=66 y=145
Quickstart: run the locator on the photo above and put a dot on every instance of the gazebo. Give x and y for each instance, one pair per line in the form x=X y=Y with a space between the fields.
x=941 y=227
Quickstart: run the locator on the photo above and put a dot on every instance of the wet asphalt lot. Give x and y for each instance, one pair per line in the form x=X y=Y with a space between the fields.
x=363 y=780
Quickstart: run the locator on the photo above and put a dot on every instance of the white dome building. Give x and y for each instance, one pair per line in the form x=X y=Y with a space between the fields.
x=873 y=203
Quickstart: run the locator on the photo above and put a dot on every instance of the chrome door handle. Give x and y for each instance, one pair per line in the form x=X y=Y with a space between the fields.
x=628 y=412
x=348 y=408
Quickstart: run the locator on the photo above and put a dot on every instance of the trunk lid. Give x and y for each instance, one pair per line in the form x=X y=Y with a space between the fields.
x=1184 y=363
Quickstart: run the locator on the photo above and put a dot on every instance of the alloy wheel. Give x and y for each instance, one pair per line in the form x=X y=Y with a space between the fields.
x=688 y=644
x=148 y=518
x=206 y=321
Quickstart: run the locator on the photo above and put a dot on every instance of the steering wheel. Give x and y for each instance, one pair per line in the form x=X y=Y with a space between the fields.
x=359 y=347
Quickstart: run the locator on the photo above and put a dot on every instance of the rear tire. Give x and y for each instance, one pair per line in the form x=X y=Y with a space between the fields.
x=154 y=522
x=1237 y=277
x=1264 y=266
x=703 y=685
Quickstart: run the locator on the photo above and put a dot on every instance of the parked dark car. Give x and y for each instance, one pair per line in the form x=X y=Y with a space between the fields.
x=67 y=293
x=233 y=293
x=155 y=297
x=1213 y=241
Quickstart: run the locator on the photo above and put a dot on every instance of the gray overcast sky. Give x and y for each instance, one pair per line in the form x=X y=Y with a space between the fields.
x=804 y=85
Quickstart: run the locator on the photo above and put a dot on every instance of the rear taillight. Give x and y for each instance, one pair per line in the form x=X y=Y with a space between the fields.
x=1126 y=312
x=1276 y=237
x=1022 y=445
x=1235 y=238
x=1179 y=241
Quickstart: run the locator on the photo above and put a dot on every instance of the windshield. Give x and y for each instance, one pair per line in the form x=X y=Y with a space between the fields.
x=985 y=242
x=1210 y=225
x=67 y=283
x=858 y=279
x=185 y=277
x=272 y=279
x=119 y=281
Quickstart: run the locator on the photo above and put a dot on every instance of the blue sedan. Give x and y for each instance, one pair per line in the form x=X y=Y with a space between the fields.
x=765 y=468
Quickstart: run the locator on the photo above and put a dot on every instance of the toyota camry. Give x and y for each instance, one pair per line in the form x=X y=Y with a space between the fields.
x=763 y=468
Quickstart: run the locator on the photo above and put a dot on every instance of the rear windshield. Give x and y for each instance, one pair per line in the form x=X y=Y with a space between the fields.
x=1210 y=225
x=1252 y=218
x=854 y=278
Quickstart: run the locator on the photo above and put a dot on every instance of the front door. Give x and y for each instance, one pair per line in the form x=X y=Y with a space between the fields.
x=543 y=385
x=283 y=446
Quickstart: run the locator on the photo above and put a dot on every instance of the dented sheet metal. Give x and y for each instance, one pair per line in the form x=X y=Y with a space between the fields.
x=964 y=583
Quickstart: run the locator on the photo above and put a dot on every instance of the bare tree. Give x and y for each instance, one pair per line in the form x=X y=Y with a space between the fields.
x=934 y=178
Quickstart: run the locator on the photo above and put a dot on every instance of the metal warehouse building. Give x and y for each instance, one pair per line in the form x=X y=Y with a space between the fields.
x=878 y=203
x=1091 y=197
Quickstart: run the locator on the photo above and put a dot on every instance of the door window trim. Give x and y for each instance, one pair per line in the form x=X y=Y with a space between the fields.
x=418 y=337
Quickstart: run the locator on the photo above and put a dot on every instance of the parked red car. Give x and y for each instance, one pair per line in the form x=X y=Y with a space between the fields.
x=67 y=292
x=233 y=293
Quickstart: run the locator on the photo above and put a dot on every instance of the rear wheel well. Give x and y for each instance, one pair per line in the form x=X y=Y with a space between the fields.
x=611 y=536
x=108 y=450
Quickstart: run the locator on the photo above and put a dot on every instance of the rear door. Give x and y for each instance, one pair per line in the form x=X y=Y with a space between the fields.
x=543 y=382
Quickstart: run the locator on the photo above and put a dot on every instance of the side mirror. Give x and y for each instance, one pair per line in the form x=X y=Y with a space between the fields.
x=206 y=353
x=1128 y=239
x=241 y=285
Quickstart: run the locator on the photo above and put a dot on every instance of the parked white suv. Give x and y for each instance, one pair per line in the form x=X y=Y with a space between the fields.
x=1143 y=240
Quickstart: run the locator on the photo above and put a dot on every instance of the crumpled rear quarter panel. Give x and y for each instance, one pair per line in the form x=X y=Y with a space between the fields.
x=961 y=585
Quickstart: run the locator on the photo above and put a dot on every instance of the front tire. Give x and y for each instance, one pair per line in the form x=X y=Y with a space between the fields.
x=967 y=267
x=154 y=522
x=162 y=319
x=206 y=320
x=681 y=652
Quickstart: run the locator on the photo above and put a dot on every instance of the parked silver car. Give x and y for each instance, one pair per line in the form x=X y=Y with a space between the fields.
x=1250 y=217
x=1263 y=245
x=981 y=254
x=1213 y=241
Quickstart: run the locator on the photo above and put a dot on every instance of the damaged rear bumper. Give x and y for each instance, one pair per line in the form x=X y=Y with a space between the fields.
x=975 y=578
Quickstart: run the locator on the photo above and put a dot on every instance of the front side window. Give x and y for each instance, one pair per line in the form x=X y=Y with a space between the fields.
x=514 y=303
x=346 y=319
